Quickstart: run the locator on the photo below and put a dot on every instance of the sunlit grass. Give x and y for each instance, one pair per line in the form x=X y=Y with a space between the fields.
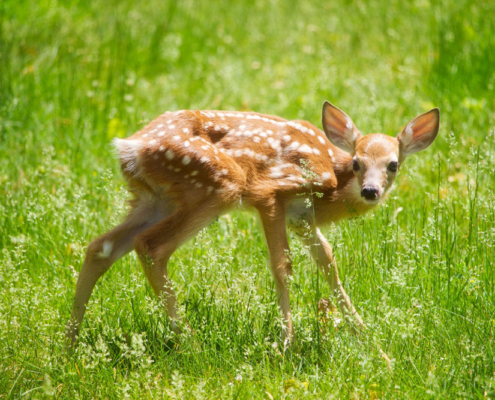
x=75 y=74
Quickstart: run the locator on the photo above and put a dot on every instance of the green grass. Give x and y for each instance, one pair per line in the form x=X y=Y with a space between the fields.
x=75 y=74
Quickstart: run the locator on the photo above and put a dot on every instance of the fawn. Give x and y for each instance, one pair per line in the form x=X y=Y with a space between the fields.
x=186 y=168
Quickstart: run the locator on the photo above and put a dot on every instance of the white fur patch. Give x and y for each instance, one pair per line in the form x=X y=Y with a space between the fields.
x=292 y=146
x=128 y=151
x=305 y=149
x=107 y=249
x=169 y=154
x=326 y=176
x=276 y=174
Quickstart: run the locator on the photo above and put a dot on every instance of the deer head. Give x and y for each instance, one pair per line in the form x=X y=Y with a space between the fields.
x=376 y=158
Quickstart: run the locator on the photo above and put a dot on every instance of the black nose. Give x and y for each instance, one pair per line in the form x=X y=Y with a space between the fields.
x=369 y=193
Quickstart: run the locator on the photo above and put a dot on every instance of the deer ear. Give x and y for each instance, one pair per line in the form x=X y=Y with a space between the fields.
x=420 y=132
x=339 y=128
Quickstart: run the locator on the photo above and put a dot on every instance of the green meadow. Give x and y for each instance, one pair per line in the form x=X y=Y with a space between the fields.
x=75 y=74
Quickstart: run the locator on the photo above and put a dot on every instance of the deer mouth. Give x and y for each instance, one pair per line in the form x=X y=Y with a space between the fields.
x=371 y=202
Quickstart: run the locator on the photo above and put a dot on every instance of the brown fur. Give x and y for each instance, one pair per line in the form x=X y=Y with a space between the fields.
x=188 y=167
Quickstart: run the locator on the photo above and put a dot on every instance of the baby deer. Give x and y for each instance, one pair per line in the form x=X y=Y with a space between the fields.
x=186 y=168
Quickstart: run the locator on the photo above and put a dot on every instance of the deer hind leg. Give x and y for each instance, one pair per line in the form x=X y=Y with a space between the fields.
x=100 y=256
x=321 y=252
x=156 y=245
x=273 y=220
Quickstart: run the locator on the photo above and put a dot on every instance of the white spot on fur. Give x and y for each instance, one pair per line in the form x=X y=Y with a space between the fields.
x=305 y=149
x=186 y=143
x=296 y=178
x=169 y=154
x=275 y=145
x=322 y=141
x=186 y=160
x=292 y=146
x=107 y=249
x=326 y=176
x=276 y=172
x=185 y=130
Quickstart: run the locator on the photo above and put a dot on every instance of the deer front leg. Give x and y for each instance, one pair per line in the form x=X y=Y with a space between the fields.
x=273 y=220
x=323 y=256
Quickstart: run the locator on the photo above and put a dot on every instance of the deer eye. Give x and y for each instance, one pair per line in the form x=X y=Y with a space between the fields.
x=392 y=167
x=355 y=165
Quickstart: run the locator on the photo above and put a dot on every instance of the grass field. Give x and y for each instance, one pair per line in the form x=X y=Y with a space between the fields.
x=75 y=74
